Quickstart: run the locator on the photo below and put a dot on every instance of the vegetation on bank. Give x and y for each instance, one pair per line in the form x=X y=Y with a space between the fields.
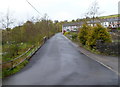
x=6 y=72
x=94 y=34
x=96 y=39
x=18 y=40
x=88 y=18
x=110 y=16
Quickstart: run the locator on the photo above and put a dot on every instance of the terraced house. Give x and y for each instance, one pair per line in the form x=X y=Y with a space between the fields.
x=111 y=22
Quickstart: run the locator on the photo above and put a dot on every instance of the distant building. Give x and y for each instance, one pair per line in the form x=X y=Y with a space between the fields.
x=72 y=27
x=112 y=22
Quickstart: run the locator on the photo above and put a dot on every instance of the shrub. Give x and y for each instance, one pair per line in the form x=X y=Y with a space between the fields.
x=98 y=33
x=74 y=36
x=84 y=33
x=118 y=28
x=66 y=33
x=11 y=51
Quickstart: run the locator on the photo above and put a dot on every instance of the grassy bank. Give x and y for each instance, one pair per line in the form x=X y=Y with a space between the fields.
x=21 y=41
x=77 y=41
x=8 y=70
x=96 y=40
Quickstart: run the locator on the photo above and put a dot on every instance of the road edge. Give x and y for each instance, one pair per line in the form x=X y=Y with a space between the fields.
x=105 y=65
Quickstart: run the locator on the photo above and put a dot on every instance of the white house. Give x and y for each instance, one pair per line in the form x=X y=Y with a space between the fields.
x=113 y=22
x=72 y=27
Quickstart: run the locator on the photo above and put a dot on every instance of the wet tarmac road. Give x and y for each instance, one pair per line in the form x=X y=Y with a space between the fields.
x=58 y=62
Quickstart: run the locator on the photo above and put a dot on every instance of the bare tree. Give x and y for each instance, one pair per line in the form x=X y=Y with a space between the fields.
x=7 y=20
x=93 y=11
x=46 y=19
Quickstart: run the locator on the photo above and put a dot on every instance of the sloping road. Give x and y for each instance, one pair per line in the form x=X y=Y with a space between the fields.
x=58 y=62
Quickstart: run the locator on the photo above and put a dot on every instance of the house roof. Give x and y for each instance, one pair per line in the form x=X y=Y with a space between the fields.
x=95 y=21
x=73 y=24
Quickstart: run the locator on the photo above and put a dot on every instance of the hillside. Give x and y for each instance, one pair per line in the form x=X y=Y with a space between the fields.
x=109 y=16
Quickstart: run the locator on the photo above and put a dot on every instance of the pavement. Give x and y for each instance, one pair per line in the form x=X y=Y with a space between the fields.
x=59 y=62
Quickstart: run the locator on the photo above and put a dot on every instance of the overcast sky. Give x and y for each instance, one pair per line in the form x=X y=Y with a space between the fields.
x=56 y=9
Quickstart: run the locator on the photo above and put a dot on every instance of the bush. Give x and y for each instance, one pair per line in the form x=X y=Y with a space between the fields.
x=74 y=36
x=98 y=33
x=11 y=51
x=84 y=33
x=66 y=33
x=118 y=28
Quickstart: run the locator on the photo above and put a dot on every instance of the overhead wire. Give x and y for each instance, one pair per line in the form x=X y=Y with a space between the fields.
x=34 y=7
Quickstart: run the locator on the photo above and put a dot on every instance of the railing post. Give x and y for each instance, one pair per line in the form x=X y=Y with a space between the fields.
x=11 y=65
x=44 y=38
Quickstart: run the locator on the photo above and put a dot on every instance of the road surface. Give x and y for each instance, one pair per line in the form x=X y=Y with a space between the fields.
x=58 y=62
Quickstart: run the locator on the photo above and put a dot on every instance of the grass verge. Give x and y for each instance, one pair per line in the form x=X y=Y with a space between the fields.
x=14 y=70
x=76 y=41
x=7 y=72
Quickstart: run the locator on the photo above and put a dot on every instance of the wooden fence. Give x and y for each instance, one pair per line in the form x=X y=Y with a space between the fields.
x=9 y=65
